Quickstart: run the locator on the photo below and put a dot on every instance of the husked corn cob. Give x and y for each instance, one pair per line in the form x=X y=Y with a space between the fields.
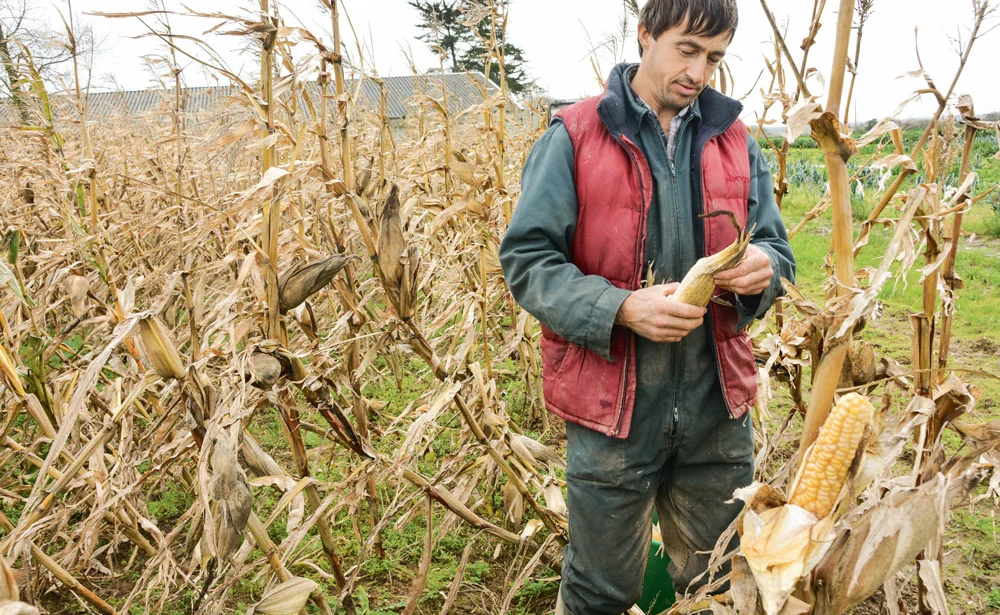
x=827 y=462
x=160 y=350
x=698 y=284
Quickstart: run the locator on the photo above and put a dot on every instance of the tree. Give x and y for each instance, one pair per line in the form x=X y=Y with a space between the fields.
x=28 y=47
x=442 y=21
x=466 y=30
x=491 y=32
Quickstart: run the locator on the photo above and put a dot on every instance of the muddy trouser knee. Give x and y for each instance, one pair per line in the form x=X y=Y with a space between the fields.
x=691 y=501
x=612 y=486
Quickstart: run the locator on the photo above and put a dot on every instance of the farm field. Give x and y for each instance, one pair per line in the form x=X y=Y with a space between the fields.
x=265 y=358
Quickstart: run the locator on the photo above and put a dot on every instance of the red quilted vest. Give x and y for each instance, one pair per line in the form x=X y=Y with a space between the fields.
x=614 y=189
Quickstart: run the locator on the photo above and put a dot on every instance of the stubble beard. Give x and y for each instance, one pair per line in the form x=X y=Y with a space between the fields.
x=676 y=102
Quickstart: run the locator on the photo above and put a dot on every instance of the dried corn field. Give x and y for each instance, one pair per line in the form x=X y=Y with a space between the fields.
x=265 y=358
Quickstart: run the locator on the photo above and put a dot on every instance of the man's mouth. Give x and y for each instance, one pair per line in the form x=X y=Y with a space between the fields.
x=688 y=89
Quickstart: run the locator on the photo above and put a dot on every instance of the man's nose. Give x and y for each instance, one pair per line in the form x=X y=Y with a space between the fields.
x=695 y=70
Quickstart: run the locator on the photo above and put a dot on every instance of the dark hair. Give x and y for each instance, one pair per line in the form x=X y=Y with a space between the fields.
x=703 y=17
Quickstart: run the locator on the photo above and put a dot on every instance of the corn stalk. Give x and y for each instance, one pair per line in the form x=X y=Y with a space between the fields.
x=837 y=150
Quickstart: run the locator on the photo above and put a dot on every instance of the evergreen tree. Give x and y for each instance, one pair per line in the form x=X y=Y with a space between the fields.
x=445 y=25
x=441 y=20
x=474 y=58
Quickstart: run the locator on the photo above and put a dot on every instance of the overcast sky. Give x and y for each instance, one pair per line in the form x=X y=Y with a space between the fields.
x=558 y=37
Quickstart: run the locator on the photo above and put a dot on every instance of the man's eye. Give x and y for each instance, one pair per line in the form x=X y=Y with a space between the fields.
x=687 y=53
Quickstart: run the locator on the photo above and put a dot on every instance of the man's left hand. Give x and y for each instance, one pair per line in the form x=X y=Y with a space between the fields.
x=751 y=277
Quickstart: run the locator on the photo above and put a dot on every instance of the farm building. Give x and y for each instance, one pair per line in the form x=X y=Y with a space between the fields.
x=202 y=103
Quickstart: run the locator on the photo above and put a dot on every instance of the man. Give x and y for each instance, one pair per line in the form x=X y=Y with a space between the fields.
x=655 y=393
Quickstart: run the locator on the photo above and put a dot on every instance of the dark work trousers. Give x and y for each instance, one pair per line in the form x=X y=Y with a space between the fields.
x=687 y=464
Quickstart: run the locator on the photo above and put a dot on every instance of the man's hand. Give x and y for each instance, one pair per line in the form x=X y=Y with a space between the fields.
x=750 y=277
x=652 y=315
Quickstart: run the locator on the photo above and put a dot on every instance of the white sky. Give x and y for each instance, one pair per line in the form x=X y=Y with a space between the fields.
x=557 y=37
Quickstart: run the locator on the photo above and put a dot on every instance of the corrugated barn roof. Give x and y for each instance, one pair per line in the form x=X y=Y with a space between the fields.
x=463 y=89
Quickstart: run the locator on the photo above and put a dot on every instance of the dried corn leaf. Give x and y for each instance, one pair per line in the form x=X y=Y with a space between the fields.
x=267 y=182
x=930 y=573
x=799 y=117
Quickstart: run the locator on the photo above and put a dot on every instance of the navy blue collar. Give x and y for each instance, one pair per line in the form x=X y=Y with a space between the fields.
x=621 y=116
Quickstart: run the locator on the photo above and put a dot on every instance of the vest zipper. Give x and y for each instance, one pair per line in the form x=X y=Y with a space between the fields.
x=637 y=276
x=675 y=350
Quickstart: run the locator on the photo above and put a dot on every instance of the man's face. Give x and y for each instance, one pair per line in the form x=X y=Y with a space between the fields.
x=679 y=65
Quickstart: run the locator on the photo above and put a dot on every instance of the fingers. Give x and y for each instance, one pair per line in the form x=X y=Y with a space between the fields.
x=672 y=328
x=750 y=266
x=754 y=261
x=750 y=284
x=653 y=315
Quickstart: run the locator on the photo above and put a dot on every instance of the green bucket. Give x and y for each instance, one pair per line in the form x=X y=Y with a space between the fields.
x=657 y=586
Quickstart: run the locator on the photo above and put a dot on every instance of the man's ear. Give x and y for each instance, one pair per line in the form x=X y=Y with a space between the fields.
x=644 y=38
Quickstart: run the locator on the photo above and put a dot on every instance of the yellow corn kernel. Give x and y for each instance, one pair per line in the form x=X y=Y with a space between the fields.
x=827 y=463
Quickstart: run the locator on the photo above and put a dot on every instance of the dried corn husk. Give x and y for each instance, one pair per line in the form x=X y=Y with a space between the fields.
x=391 y=243
x=287 y=598
x=228 y=497
x=265 y=369
x=698 y=284
x=301 y=282
x=12 y=607
x=77 y=288
x=462 y=168
x=8 y=584
x=160 y=351
x=781 y=545
x=885 y=539
x=8 y=374
x=862 y=363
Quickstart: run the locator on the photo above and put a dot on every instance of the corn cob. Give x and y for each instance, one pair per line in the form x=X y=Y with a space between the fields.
x=827 y=462
x=698 y=284
x=160 y=350
x=302 y=281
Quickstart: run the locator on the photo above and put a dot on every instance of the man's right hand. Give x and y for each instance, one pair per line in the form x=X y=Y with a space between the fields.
x=652 y=315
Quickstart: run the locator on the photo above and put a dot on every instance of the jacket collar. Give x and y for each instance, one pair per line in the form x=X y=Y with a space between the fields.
x=621 y=110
